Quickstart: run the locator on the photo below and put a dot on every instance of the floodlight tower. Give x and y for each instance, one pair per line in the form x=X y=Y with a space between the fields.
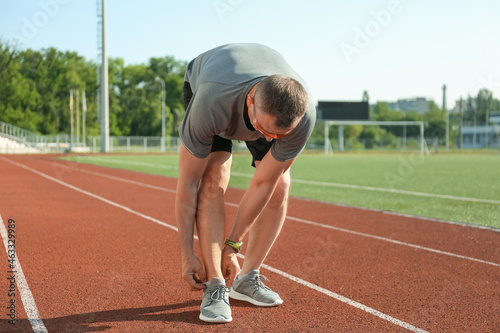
x=98 y=59
x=103 y=97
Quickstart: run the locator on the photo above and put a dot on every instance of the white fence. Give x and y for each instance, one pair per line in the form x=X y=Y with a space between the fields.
x=140 y=144
x=152 y=144
x=15 y=140
x=64 y=144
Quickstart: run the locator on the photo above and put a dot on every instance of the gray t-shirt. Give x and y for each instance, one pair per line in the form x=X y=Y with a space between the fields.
x=220 y=80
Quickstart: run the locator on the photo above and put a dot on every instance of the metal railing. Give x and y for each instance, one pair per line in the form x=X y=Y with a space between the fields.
x=17 y=140
x=16 y=133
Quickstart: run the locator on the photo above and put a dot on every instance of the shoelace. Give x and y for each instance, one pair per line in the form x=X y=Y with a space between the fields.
x=219 y=293
x=259 y=283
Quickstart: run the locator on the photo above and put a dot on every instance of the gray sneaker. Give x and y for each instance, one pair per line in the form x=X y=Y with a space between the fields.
x=215 y=304
x=250 y=288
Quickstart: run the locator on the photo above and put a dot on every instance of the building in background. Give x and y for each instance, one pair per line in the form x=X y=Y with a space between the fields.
x=475 y=137
x=418 y=104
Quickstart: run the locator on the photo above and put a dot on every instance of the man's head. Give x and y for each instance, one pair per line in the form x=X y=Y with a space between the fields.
x=283 y=99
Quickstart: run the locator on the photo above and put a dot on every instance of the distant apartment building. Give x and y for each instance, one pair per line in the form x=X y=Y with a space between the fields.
x=480 y=137
x=418 y=104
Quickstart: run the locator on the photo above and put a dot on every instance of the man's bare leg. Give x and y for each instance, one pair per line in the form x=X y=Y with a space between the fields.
x=266 y=229
x=210 y=216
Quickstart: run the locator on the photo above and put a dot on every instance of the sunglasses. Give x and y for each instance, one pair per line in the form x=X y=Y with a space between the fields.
x=257 y=126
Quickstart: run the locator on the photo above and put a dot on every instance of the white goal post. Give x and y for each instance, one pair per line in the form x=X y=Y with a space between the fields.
x=341 y=124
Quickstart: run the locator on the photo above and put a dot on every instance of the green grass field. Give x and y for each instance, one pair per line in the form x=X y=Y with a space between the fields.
x=462 y=188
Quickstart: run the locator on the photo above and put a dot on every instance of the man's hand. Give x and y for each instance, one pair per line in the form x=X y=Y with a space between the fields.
x=193 y=273
x=230 y=265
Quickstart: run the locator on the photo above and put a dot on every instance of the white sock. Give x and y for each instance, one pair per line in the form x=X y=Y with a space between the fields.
x=252 y=271
x=216 y=281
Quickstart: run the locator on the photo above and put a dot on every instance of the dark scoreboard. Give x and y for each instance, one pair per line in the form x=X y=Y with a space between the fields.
x=328 y=110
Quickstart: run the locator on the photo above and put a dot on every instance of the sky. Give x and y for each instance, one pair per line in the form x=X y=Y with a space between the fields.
x=394 y=49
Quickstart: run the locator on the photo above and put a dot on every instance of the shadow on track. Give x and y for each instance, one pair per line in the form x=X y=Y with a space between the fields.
x=166 y=317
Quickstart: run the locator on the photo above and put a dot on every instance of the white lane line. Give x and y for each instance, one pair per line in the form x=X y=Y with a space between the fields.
x=303 y=221
x=468 y=225
x=112 y=161
x=133 y=182
x=392 y=241
x=22 y=285
x=152 y=219
x=346 y=300
x=318 y=183
x=286 y=275
x=390 y=190
x=381 y=189
x=432 y=219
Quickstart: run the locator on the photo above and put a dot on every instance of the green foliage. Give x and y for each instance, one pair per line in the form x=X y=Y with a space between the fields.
x=477 y=108
x=382 y=111
x=35 y=85
x=318 y=134
x=436 y=121
x=34 y=88
x=353 y=131
x=136 y=96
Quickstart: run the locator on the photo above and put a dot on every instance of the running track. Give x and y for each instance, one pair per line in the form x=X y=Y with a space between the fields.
x=99 y=253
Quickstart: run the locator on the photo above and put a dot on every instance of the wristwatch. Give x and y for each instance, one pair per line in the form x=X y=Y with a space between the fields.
x=235 y=245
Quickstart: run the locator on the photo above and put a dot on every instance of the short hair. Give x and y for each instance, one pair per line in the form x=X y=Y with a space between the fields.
x=283 y=97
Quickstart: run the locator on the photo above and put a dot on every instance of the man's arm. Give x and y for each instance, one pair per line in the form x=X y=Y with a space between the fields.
x=259 y=193
x=191 y=170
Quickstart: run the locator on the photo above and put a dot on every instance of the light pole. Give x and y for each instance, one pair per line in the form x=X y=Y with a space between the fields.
x=104 y=87
x=487 y=128
x=447 y=119
x=163 y=93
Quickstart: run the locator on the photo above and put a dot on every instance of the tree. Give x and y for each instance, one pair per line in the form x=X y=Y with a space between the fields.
x=382 y=112
x=34 y=88
x=436 y=121
x=18 y=98
x=485 y=103
x=172 y=72
x=477 y=109
x=135 y=96
x=35 y=85
x=353 y=131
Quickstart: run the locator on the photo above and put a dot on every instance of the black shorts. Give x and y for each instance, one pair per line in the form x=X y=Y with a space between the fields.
x=258 y=148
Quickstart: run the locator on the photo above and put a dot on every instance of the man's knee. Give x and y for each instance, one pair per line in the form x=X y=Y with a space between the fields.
x=215 y=179
x=280 y=195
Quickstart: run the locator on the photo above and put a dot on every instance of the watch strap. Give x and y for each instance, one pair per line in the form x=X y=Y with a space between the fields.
x=235 y=245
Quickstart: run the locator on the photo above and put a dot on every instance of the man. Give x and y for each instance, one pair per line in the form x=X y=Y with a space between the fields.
x=243 y=92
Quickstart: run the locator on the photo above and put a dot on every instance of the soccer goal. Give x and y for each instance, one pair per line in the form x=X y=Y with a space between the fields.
x=341 y=123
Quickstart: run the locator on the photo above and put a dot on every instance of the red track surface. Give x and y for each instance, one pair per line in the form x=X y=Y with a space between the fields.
x=94 y=267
